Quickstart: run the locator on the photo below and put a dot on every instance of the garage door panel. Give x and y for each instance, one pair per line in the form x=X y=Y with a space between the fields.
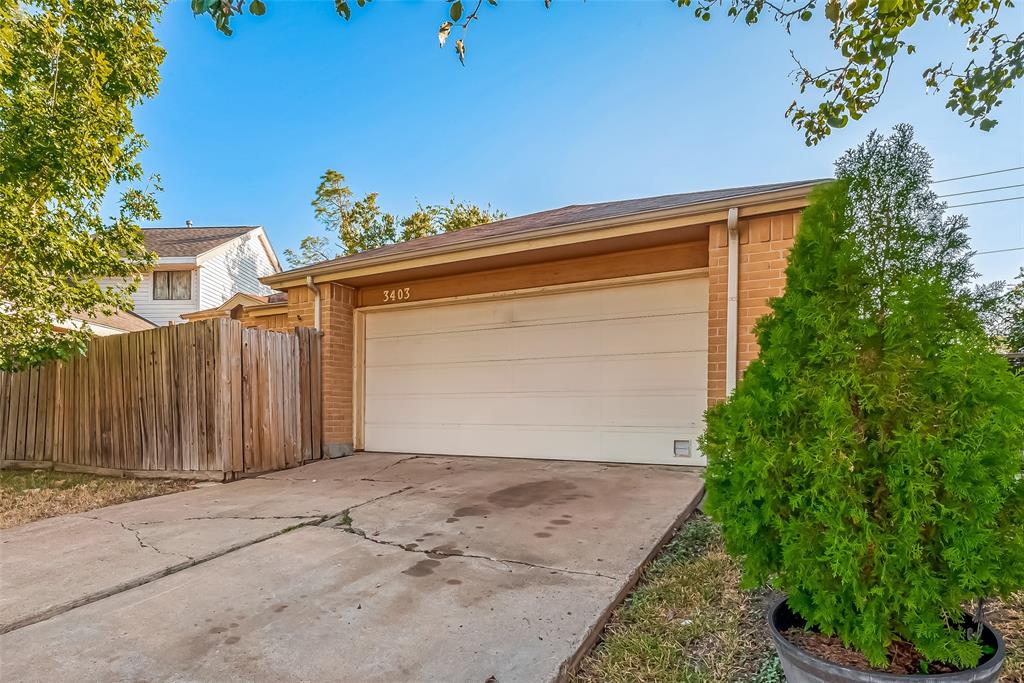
x=651 y=447
x=672 y=297
x=646 y=372
x=617 y=374
x=526 y=410
x=662 y=334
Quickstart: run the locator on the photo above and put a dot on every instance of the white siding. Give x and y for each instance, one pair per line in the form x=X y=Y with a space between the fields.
x=160 y=312
x=236 y=269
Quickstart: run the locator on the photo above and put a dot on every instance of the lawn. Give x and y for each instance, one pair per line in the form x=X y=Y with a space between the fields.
x=688 y=621
x=28 y=495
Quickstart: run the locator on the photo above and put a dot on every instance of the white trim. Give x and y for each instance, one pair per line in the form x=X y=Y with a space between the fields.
x=188 y=261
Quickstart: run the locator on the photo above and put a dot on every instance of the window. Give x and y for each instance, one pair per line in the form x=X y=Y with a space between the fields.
x=172 y=284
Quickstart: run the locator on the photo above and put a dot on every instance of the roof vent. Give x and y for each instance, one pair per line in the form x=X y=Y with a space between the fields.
x=188 y=223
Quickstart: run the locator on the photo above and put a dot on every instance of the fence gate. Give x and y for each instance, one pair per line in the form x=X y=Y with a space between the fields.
x=280 y=418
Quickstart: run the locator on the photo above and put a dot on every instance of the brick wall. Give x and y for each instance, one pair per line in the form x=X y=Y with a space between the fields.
x=764 y=247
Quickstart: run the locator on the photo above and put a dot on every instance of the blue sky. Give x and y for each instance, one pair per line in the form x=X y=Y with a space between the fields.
x=581 y=103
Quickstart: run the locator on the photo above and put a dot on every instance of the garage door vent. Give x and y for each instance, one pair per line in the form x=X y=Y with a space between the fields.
x=681 y=448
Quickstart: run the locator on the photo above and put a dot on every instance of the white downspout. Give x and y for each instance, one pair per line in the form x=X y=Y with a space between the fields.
x=316 y=301
x=732 y=301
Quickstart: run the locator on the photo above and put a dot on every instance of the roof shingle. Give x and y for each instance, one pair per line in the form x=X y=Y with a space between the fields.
x=172 y=242
x=564 y=216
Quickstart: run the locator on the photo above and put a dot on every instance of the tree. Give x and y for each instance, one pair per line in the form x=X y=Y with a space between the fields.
x=869 y=463
x=436 y=219
x=361 y=225
x=1002 y=312
x=868 y=37
x=70 y=73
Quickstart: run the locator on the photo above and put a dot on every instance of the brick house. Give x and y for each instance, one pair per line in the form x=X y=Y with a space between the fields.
x=591 y=332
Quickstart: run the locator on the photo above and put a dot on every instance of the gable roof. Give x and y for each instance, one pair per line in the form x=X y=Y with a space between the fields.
x=547 y=220
x=187 y=242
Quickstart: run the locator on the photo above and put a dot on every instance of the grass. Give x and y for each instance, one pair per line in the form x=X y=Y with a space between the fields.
x=688 y=621
x=28 y=495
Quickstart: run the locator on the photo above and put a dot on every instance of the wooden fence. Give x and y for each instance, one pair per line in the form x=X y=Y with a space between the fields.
x=206 y=399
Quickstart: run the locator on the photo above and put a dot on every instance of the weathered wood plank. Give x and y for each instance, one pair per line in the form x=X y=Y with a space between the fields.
x=210 y=380
x=248 y=452
x=233 y=350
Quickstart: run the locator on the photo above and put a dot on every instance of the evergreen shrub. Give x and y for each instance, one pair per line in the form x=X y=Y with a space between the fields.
x=870 y=461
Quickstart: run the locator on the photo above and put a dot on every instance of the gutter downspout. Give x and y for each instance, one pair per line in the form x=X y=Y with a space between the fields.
x=732 y=301
x=316 y=301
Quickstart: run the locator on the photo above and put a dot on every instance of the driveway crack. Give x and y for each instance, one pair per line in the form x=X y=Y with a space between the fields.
x=143 y=544
x=343 y=523
x=252 y=517
x=371 y=475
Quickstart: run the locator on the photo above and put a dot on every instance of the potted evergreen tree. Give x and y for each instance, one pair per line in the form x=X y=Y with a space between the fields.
x=870 y=464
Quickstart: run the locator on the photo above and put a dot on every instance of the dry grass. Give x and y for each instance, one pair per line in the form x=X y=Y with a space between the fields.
x=28 y=495
x=687 y=621
x=1008 y=617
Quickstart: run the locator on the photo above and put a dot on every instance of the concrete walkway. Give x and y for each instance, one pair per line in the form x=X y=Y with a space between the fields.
x=369 y=568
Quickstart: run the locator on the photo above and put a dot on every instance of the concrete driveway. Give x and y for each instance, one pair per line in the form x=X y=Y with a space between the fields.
x=369 y=568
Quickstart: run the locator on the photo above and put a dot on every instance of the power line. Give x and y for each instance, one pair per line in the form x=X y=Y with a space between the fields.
x=987 y=189
x=977 y=175
x=998 y=251
x=991 y=201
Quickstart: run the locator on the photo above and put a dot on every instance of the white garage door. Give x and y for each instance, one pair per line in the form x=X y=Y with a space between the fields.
x=617 y=374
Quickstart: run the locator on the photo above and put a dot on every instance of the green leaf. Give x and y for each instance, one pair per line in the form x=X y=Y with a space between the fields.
x=257 y=8
x=987 y=124
x=455 y=12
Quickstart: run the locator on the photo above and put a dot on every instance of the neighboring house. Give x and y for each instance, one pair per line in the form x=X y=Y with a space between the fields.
x=201 y=268
x=590 y=332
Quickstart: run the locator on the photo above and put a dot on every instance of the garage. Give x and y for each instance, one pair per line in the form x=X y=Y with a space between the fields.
x=591 y=332
x=613 y=371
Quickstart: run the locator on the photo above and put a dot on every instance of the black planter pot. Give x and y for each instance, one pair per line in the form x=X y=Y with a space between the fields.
x=802 y=667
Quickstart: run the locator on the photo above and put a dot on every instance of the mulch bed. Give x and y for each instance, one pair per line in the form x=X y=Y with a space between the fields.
x=904 y=659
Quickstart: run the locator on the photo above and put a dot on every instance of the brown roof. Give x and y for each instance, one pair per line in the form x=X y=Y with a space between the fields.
x=565 y=216
x=119 y=320
x=190 y=241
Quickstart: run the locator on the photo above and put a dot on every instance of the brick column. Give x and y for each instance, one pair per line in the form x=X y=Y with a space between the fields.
x=337 y=303
x=764 y=247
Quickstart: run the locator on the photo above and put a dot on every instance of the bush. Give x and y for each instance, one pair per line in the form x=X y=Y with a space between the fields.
x=870 y=462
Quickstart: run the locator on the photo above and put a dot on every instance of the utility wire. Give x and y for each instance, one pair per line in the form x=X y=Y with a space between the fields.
x=987 y=189
x=998 y=251
x=991 y=201
x=977 y=175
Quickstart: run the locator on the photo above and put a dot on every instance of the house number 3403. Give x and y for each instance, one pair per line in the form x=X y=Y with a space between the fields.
x=400 y=294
